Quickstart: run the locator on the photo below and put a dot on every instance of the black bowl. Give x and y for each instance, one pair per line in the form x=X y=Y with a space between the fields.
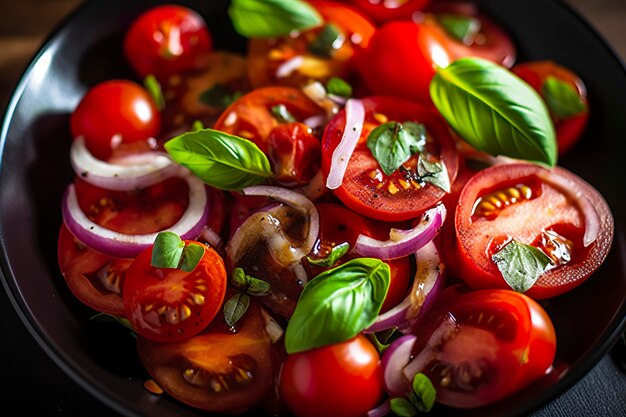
x=86 y=49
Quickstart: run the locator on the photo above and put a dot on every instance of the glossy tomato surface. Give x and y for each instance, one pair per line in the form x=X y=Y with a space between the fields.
x=551 y=211
x=383 y=11
x=365 y=188
x=487 y=345
x=343 y=380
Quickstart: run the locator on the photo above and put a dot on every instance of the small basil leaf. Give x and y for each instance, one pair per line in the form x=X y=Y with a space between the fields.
x=239 y=278
x=425 y=393
x=494 y=110
x=435 y=173
x=335 y=254
x=272 y=18
x=235 y=307
x=153 y=87
x=327 y=40
x=167 y=250
x=338 y=304
x=197 y=125
x=401 y=407
x=192 y=254
x=257 y=286
x=218 y=96
x=110 y=318
x=221 y=160
x=562 y=99
x=338 y=87
x=392 y=144
x=521 y=264
x=282 y=114
x=462 y=28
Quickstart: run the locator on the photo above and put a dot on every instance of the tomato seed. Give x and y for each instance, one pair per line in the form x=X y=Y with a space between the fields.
x=153 y=387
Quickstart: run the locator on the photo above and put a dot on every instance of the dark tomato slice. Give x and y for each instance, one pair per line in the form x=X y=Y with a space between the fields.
x=549 y=210
x=483 y=346
x=268 y=59
x=217 y=370
x=365 y=188
x=385 y=10
x=568 y=129
x=295 y=154
x=171 y=305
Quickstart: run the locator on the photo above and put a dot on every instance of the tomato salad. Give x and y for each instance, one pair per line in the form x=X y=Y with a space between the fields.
x=356 y=218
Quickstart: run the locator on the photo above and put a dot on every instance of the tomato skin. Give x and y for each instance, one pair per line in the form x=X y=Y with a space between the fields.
x=294 y=153
x=550 y=210
x=568 y=130
x=189 y=300
x=115 y=107
x=505 y=339
x=167 y=40
x=337 y=380
x=380 y=12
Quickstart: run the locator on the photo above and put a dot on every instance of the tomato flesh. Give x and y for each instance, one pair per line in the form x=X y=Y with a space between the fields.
x=383 y=11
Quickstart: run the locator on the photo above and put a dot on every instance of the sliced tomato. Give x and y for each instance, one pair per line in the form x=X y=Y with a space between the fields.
x=365 y=188
x=217 y=370
x=550 y=210
x=171 y=305
x=295 y=154
x=568 y=129
x=385 y=10
x=269 y=61
x=483 y=346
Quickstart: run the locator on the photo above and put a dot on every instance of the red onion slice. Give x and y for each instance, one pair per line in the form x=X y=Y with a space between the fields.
x=141 y=171
x=289 y=66
x=355 y=116
x=121 y=245
x=394 y=359
x=403 y=242
x=380 y=411
x=427 y=285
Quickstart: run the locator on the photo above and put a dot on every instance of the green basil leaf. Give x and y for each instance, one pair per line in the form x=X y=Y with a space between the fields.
x=521 y=264
x=327 y=40
x=272 y=18
x=218 y=96
x=338 y=304
x=235 y=307
x=392 y=144
x=460 y=27
x=435 y=173
x=167 y=250
x=258 y=286
x=425 y=393
x=197 y=125
x=282 y=114
x=401 y=407
x=335 y=254
x=562 y=99
x=221 y=160
x=338 y=87
x=239 y=278
x=110 y=318
x=494 y=110
x=192 y=254
x=153 y=87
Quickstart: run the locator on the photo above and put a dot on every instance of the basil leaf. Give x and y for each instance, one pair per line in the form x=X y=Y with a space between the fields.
x=272 y=18
x=494 y=110
x=167 y=250
x=221 y=160
x=392 y=144
x=239 y=278
x=153 y=87
x=218 y=96
x=235 y=307
x=258 y=286
x=192 y=254
x=462 y=28
x=338 y=87
x=338 y=304
x=435 y=173
x=197 y=125
x=282 y=114
x=335 y=253
x=425 y=393
x=327 y=40
x=401 y=407
x=521 y=264
x=562 y=99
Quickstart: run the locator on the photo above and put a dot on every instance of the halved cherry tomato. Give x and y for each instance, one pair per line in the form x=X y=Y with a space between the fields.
x=268 y=59
x=386 y=10
x=167 y=40
x=365 y=188
x=568 y=129
x=483 y=346
x=171 y=305
x=295 y=154
x=217 y=370
x=113 y=113
x=344 y=380
x=251 y=116
x=519 y=201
